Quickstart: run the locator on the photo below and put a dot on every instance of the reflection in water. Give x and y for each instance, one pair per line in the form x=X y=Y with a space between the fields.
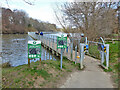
x=14 y=50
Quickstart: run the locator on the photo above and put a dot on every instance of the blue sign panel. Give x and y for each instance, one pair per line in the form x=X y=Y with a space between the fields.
x=87 y=46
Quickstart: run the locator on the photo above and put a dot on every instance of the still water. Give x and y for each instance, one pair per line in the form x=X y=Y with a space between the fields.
x=14 y=50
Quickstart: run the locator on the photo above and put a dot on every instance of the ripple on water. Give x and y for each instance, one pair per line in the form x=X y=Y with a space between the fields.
x=15 y=50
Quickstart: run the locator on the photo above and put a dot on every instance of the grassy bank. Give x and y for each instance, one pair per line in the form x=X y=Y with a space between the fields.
x=39 y=75
x=114 y=64
x=93 y=51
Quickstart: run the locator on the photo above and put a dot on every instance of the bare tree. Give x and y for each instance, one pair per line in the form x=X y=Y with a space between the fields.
x=59 y=17
x=94 y=19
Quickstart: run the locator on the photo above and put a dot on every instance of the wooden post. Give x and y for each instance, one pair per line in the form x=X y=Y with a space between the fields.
x=40 y=61
x=29 y=62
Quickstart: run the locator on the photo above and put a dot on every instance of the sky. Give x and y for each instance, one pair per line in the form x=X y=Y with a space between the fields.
x=42 y=9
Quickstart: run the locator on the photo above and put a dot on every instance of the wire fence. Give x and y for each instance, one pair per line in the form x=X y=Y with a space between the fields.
x=96 y=49
x=93 y=46
x=93 y=49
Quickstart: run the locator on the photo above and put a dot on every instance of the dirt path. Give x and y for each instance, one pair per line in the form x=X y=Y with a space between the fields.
x=91 y=77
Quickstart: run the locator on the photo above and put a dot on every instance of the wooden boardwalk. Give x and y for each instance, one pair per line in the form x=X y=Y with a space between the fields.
x=51 y=44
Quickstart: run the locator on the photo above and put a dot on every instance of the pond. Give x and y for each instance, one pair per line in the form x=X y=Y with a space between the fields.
x=15 y=50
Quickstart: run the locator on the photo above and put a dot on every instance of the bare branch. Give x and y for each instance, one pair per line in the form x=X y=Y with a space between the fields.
x=7 y=3
x=28 y=2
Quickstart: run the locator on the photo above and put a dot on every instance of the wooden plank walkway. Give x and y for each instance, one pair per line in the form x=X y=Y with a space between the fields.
x=52 y=46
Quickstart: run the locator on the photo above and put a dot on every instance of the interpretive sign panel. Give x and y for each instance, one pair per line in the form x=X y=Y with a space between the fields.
x=62 y=42
x=34 y=49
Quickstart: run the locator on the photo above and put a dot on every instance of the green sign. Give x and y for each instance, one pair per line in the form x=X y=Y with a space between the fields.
x=62 y=42
x=34 y=49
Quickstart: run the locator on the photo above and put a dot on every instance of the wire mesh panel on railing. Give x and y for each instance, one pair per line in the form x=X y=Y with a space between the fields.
x=93 y=49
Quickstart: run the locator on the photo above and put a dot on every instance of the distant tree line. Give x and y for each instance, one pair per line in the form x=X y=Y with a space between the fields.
x=94 y=19
x=18 y=21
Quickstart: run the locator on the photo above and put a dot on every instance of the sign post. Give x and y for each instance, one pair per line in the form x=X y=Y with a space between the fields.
x=34 y=50
x=28 y=62
x=61 y=44
x=61 y=57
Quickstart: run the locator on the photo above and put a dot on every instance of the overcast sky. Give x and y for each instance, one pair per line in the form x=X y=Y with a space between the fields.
x=42 y=9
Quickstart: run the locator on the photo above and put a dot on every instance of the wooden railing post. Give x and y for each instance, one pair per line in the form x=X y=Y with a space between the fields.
x=40 y=61
x=29 y=62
